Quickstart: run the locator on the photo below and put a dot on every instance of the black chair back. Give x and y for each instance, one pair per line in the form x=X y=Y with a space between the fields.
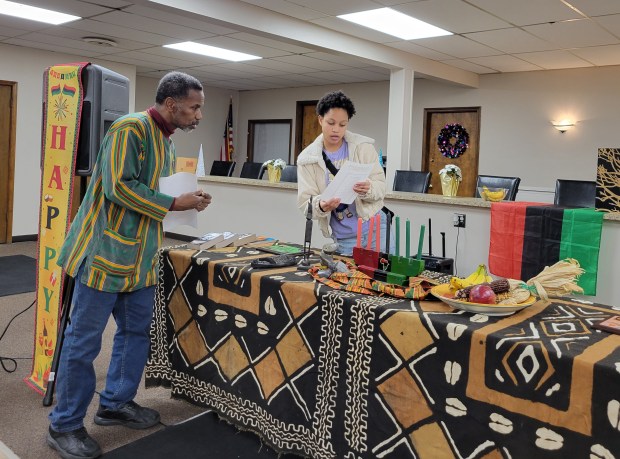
x=222 y=168
x=252 y=170
x=497 y=181
x=575 y=193
x=289 y=174
x=412 y=181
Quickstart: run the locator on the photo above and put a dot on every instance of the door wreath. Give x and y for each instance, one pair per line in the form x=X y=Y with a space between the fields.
x=461 y=142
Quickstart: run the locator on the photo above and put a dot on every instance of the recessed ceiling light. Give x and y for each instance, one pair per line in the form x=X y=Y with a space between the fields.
x=99 y=41
x=395 y=23
x=206 y=50
x=35 y=14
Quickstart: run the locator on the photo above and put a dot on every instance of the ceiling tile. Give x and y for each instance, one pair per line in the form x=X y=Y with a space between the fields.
x=51 y=47
x=600 y=55
x=75 y=7
x=410 y=47
x=573 y=34
x=550 y=60
x=525 y=12
x=77 y=34
x=309 y=62
x=469 y=66
x=243 y=46
x=457 y=46
x=157 y=55
x=134 y=21
x=452 y=15
x=333 y=8
x=340 y=25
x=288 y=8
x=611 y=23
x=270 y=42
x=19 y=24
x=596 y=7
x=106 y=29
x=511 y=40
x=504 y=63
x=198 y=23
x=249 y=69
x=338 y=58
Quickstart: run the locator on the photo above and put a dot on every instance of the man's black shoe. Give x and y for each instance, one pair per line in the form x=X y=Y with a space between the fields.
x=76 y=444
x=129 y=415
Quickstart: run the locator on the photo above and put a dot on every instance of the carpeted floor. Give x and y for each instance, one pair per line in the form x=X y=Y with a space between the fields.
x=203 y=436
x=17 y=274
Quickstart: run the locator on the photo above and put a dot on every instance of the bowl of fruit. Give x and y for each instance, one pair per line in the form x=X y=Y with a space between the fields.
x=492 y=194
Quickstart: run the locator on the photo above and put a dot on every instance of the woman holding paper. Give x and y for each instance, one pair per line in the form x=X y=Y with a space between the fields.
x=320 y=161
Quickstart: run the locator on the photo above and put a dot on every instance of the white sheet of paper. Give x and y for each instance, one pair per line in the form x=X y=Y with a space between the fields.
x=175 y=185
x=342 y=185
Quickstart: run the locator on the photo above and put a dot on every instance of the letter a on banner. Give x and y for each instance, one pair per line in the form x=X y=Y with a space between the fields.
x=61 y=125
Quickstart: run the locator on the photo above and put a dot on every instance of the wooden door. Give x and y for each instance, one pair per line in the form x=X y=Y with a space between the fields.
x=307 y=126
x=435 y=119
x=8 y=103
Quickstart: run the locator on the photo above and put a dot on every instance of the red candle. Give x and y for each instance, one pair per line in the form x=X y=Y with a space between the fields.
x=378 y=234
x=359 y=232
x=371 y=224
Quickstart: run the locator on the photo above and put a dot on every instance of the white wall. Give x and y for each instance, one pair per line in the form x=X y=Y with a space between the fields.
x=26 y=66
x=370 y=100
x=516 y=135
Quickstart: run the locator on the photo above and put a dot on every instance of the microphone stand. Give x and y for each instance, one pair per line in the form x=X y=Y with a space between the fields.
x=304 y=263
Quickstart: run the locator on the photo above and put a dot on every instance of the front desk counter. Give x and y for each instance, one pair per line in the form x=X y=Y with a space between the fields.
x=327 y=373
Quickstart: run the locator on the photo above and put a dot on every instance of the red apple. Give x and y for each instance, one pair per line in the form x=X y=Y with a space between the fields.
x=482 y=294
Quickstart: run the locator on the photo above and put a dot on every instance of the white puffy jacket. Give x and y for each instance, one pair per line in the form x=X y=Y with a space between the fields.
x=311 y=179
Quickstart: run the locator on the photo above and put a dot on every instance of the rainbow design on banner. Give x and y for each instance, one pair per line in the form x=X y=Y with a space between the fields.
x=61 y=126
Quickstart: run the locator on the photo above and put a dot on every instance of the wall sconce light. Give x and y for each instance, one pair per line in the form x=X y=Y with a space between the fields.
x=563 y=125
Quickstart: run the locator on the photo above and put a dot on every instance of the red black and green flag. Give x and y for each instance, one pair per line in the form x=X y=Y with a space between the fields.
x=526 y=237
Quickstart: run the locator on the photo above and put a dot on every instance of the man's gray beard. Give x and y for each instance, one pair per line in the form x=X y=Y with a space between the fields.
x=189 y=128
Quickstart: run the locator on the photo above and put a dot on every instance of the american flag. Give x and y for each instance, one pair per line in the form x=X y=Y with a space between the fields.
x=227 y=150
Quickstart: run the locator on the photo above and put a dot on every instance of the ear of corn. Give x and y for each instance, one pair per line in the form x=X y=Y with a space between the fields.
x=498 y=286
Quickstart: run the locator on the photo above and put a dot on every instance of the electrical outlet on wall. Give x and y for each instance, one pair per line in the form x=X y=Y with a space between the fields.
x=459 y=220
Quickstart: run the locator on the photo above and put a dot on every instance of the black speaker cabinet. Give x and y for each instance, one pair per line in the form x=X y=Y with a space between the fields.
x=106 y=98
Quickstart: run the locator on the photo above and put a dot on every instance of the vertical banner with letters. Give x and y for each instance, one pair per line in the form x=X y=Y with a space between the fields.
x=63 y=97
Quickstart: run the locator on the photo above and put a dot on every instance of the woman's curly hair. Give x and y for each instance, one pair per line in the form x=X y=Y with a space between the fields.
x=335 y=99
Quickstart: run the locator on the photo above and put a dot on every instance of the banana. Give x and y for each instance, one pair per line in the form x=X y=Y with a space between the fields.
x=479 y=276
x=493 y=195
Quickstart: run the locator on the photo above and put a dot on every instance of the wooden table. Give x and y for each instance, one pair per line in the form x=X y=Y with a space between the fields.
x=332 y=374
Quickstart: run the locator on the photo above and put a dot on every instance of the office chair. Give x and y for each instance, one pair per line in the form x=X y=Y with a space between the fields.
x=412 y=181
x=575 y=193
x=222 y=168
x=252 y=170
x=497 y=181
x=289 y=174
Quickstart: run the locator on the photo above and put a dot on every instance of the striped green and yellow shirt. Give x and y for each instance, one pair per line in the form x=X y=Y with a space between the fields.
x=117 y=230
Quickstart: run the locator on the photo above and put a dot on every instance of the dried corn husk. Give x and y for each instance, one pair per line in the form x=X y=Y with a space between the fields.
x=518 y=293
x=558 y=279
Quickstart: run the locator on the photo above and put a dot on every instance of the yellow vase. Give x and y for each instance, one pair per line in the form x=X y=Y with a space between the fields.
x=274 y=173
x=449 y=185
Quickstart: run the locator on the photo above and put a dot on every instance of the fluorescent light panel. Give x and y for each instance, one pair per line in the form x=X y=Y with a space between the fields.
x=395 y=23
x=35 y=14
x=212 y=51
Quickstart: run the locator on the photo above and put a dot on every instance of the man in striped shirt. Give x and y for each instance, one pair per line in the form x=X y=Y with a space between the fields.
x=110 y=251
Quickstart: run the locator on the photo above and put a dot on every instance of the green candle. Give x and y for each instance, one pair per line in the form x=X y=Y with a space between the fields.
x=421 y=242
x=397 y=236
x=407 y=238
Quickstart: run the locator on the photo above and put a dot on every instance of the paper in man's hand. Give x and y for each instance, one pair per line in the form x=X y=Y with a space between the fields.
x=342 y=185
x=175 y=185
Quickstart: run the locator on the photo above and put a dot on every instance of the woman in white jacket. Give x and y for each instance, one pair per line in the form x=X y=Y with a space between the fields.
x=337 y=145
